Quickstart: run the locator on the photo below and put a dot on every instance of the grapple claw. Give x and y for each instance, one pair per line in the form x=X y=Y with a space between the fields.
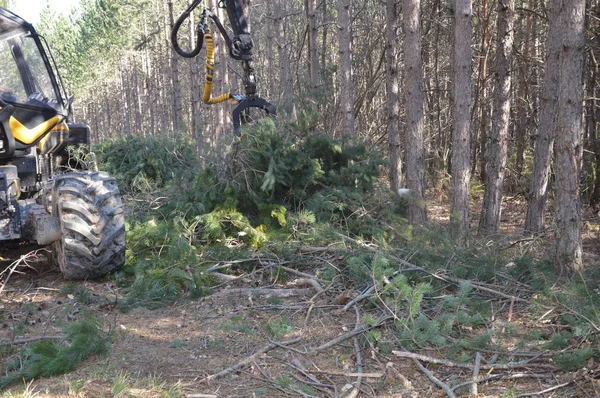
x=240 y=113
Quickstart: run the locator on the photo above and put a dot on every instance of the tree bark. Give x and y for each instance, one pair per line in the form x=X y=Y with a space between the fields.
x=125 y=96
x=567 y=207
x=415 y=118
x=439 y=94
x=137 y=97
x=107 y=128
x=148 y=93
x=195 y=78
x=523 y=101
x=461 y=106
x=546 y=132
x=313 y=49
x=221 y=84
x=175 y=81
x=161 y=106
x=270 y=54
x=393 y=101
x=324 y=37
x=498 y=145
x=287 y=83
x=483 y=92
x=593 y=123
x=345 y=50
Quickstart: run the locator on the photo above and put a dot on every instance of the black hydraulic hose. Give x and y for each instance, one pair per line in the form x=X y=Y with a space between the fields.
x=199 y=34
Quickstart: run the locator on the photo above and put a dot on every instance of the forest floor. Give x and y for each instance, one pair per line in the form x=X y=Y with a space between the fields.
x=268 y=339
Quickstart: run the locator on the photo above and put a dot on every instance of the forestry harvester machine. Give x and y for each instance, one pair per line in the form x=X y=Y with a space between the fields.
x=46 y=197
x=239 y=46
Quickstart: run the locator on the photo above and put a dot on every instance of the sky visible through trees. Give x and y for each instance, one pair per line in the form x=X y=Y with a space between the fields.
x=30 y=10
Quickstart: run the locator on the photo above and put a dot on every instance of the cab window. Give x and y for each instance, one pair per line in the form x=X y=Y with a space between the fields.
x=23 y=74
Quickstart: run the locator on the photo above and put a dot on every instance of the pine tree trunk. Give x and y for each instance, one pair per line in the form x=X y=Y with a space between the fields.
x=313 y=50
x=415 y=118
x=594 y=124
x=498 y=145
x=393 y=101
x=483 y=92
x=546 y=131
x=137 y=98
x=221 y=84
x=324 y=37
x=196 y=79
x=439 y=93
x=177 y=96
x=591 y=166
x=345 y=50
x=125 y=98
x=107 y=126
x=149 y=94
x=523 y=103
x=519 y=101
x=270 y=55
x=461 y=106
x=289 y=105
x=567 y=207
x=161 y=103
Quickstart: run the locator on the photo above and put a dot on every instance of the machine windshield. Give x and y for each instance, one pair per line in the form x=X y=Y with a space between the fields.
x=24 y=78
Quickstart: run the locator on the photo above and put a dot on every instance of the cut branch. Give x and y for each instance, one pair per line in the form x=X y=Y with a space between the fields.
x=547 y=390
x=507 y=376
x=300 y=273
x=280 y=293
x=32 y=339
x=434 y=379
x=347 y=336
x=359 y=362
x=249 y=359
x=374 y=375
x=367 y=294
x=476 y=369
x=445 y=362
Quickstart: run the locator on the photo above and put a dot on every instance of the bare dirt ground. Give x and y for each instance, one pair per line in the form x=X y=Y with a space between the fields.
x=270 y=339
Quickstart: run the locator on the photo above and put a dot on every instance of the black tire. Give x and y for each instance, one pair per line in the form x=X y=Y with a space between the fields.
x=90 y=211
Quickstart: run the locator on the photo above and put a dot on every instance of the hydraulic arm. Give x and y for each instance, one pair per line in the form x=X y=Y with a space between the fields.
x=240 y=48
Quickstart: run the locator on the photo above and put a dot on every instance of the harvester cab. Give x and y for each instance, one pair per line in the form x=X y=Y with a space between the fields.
x=45 y=197
x=30 y=98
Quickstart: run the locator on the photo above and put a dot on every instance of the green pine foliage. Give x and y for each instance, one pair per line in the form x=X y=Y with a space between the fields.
x=331 y=179
x=162 y=265
x=573 y=361
x=228 y=225
x=558 y=341
x=148 y=164
x=46 y=358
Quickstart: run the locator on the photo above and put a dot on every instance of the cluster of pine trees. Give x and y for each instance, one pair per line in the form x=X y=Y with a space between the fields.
x=454 y=92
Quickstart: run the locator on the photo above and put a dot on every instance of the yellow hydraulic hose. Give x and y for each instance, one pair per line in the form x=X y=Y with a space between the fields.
x=210 y=67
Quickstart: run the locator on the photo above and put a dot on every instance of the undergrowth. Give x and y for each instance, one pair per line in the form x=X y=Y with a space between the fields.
x=46 y=358
x=282 y=193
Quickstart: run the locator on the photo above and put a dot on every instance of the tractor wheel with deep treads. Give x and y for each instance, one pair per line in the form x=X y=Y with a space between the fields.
x=90 y=212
